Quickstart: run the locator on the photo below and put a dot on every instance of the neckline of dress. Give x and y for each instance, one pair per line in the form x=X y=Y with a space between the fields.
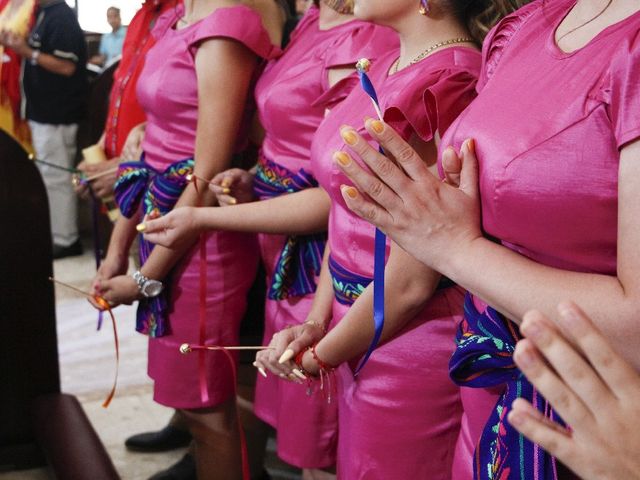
x=554 y=49
x=179 y=12
x=437 y=53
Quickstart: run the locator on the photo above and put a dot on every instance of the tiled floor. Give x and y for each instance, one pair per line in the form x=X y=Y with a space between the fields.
x=87 y=366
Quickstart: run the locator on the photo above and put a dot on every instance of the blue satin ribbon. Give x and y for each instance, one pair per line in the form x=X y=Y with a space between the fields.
x=380 y=254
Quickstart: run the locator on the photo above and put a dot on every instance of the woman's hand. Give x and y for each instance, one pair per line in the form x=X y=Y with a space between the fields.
x=590 y=386
x=112 y=266
x=287 y=344
x=120 y=290
x=174 y=229
x=103 y=185
x=233 y=186
x=430 y=219
x=132 y=148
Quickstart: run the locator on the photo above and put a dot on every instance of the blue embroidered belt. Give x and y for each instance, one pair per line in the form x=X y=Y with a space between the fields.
x=301 y=257
x=139 y=183
x=348 y=286
x=484 y=358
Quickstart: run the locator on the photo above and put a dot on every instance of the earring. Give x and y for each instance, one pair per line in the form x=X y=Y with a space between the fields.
x=424 y=7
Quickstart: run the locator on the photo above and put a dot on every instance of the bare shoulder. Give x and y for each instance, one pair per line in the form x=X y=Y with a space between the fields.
x=273 y=17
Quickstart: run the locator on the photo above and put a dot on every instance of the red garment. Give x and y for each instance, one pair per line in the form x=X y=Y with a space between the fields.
x=10 y=92
x=124 y=110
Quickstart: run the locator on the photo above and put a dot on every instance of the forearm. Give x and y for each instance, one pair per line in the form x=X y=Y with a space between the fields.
x=408 y=287
x=513 y=284
x=296 y=213
x=163 y=259
x=124 y=232
x=53 y=64
x=321 y=309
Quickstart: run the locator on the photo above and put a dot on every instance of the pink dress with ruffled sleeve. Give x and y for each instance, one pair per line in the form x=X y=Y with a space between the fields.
x=168 y=92
x=401 y=417
x=292 y=95
x=549 y=127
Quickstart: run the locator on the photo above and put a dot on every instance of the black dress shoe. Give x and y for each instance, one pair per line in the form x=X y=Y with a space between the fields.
x=169 y=438
x=184 y=469
x=72 y=250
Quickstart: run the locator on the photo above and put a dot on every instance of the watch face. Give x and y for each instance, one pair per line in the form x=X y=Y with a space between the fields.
x=152 y=288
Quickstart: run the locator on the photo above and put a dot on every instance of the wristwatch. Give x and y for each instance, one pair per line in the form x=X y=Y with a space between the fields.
x=148 y=287
x=35 y=54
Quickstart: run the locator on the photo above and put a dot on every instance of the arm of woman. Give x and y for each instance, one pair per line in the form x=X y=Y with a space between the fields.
x=440 y=225
x=409 y=285
x=288 y=342
x=297 y=213
x=230 y=73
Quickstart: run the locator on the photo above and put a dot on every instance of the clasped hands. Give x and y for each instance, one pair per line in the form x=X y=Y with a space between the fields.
x=570 y=362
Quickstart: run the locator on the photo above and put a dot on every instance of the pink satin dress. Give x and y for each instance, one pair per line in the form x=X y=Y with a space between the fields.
x=292 y=95
x=401 y=417
x=549 y=127
x=168 y=92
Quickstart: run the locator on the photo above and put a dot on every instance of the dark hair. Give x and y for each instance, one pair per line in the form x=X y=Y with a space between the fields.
x=479 y=16
x=114 y=9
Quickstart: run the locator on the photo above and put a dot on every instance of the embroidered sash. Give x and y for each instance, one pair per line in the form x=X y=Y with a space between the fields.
x=301 y=257
x=140 y=184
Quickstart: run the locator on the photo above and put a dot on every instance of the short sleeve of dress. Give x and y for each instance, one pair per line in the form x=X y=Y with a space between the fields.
x=434 y=107
x=499 y=37
x=625 y=92
x=239 y=23
x=362 y=40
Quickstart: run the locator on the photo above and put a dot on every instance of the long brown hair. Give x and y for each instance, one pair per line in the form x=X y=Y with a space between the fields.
x=479 y=16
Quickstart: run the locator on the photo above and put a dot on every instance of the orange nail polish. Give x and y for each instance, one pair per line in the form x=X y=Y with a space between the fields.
x=471 y=145
x=349 y=137
x=342 y=158
x=351 y=192
x=377 y=126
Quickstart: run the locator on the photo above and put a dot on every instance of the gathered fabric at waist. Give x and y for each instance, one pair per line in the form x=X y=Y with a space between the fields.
x=300 y=259
x=483 y=358
x=139 y=184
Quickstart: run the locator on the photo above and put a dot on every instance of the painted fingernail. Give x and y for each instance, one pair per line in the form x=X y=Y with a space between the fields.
x=141 y=227
x=342 y=158
x=470 y=145
x=233 y=201
x=349 y=137
x=226 y=182
x=226 y=190
x=262 y=372
x=282 y=375
x=377 y=126
x=299 y=374
x=350 y=192
x=286 y=356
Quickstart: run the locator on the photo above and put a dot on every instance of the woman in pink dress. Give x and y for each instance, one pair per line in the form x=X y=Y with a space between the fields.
x=557 y=179
x=315 y=72
x=394 y=422
x=196 y=79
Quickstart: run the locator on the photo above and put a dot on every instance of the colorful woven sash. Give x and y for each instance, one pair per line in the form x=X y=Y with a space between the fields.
x=301 y=257
x=139 y=183
x=347 y=286
x=484 y=358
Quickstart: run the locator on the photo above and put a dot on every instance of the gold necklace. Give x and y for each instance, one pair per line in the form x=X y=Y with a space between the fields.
x=585 y=23
x=424 y=53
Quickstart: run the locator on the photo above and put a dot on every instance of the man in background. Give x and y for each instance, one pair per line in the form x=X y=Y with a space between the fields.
x=111 y=43
x=55 y=88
